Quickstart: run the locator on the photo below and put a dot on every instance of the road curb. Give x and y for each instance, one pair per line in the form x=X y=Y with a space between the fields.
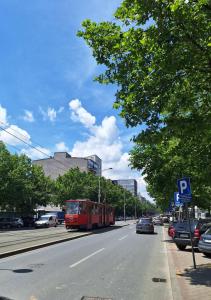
x=176 y=293
x=22 y=250
x=26 y=249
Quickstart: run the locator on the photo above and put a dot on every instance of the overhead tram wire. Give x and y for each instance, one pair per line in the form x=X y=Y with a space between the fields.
x=24 y=136
x=34 y=148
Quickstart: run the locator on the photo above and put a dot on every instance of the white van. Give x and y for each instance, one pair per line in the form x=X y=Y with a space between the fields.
x=46 y=221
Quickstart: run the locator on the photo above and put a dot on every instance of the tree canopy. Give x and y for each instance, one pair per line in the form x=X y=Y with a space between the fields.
x=157 y=52
x=24 y=186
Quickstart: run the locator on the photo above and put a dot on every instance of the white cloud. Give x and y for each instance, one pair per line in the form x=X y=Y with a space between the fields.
x=51 y=113
x=28 y=116
x=61 y=147
x=14 y=136
x=105 y=142
x=36 y=154
x=60 y=109
x=3 y=116
x=78 y=113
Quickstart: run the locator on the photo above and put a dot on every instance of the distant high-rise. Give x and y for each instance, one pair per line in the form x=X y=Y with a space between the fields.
x=128 y=184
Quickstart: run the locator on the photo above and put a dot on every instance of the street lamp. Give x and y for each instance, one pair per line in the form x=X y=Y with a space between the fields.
x=99 y=187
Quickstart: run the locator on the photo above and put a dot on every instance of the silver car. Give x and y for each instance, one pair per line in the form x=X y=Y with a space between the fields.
x=204 y=244
x=145 y=225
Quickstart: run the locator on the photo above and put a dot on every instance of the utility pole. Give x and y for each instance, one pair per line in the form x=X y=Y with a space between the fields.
x=124 y=207
x=99 y=185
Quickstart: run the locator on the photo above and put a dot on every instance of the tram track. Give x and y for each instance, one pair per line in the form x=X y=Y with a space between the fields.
x=33 y=239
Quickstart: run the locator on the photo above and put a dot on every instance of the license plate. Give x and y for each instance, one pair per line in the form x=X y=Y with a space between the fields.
x=183 y=235
x=207 y=241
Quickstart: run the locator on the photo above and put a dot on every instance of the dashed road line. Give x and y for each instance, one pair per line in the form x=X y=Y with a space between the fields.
x=124 y=237
x=85 y=258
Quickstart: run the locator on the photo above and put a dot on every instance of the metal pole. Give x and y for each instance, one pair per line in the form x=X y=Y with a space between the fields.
x=135 y=211
x=99 y=192
x=124 y=207
x=193 y=253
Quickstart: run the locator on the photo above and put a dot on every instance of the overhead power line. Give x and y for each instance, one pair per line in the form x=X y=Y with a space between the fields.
x=29 y=145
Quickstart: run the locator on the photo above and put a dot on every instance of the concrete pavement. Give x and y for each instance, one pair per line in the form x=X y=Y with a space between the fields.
x=190 y=284
x=117 y=264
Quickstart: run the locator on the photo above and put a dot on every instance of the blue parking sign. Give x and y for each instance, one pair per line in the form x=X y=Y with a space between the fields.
x=177 y=200
x=184 y=189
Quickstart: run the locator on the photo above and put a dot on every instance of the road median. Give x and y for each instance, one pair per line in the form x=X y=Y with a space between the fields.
x=17 y=242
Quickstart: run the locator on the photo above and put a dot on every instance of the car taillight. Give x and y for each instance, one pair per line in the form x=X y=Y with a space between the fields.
x=196 y=233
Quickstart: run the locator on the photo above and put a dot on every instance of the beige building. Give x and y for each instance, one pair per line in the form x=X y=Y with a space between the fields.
x=62 y=162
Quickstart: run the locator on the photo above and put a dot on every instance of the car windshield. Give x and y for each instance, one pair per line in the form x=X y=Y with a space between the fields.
x=43 y=218
x=208 y=231
x=144 y=221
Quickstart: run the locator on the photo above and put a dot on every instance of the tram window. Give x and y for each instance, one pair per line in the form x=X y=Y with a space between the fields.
x=81 y=209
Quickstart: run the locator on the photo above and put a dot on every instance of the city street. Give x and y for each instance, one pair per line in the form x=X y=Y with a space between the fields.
x=116 y=264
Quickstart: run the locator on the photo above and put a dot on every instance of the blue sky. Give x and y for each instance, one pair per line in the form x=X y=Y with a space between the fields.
x=47 y=92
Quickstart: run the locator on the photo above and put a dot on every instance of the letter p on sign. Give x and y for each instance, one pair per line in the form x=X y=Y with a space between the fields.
x=184 y=186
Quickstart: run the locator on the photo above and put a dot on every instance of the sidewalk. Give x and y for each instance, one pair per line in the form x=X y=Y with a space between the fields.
x=192 y=283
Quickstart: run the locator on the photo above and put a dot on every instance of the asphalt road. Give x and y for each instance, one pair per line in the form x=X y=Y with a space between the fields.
x=117 y=264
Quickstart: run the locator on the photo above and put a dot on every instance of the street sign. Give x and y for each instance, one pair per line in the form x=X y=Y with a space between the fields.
x=184 y=189
x=184 y=196
x=177 y=200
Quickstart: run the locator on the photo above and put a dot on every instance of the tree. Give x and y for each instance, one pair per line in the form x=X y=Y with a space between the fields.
x=158 y=54
x=23 y=186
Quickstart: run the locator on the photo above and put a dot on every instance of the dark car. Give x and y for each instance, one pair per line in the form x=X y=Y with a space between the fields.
x=205 y=243
x=182 y=233
x=145 y=225
x=28 y=221
x=10 y=222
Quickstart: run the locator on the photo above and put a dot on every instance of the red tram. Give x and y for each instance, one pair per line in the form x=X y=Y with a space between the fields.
x=85 y=214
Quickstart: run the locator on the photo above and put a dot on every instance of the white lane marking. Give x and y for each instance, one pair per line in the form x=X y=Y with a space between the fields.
x=85 y=258
x=122 y=238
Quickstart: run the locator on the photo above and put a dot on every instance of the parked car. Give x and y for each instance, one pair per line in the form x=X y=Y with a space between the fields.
x=11 y=222
x=59 y=215
x=19 y=222
x=204 y=227
x=157 y=221
x=46 y=221
x=165 y=219
x=171 y=228
x=28 y=221
x=145 y=225
x=205 y=243
x=182 y=233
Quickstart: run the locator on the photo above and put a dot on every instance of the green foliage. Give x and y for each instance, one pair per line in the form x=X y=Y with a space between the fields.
x=23 y=186
x=158 y=54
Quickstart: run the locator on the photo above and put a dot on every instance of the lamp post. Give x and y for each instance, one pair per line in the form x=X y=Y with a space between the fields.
x=99 y=185
x=124 y=207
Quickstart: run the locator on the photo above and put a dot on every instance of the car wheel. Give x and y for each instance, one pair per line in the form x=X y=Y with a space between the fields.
x=207 y=254
x=181 y=247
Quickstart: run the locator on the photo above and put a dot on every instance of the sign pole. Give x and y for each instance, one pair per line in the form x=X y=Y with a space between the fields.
x=193 y=253
x=185 y=195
